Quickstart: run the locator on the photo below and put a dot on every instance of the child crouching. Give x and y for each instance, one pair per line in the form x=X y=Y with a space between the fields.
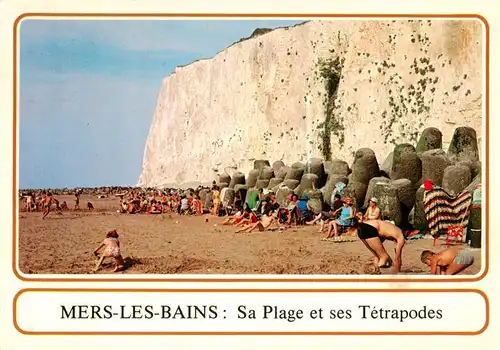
x=112 y=250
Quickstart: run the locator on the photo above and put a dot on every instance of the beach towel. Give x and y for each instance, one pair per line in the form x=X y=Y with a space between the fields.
x=442 y=210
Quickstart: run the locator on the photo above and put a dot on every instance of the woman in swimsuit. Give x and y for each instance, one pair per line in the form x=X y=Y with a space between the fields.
x=112 y=250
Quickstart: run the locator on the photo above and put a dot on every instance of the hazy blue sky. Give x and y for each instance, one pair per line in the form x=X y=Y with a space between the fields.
x=88 y=90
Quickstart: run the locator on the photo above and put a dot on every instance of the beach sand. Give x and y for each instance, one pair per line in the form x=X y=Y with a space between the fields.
x=172 y=244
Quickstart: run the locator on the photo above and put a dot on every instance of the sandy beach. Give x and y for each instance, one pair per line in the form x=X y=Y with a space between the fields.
x=173 y=244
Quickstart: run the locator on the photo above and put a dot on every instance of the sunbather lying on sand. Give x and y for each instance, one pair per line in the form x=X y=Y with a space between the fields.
x=234 y=218
x=248 y=219
x=267 y=222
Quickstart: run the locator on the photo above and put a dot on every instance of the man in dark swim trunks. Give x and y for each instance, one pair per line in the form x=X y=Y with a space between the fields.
x=373 y=233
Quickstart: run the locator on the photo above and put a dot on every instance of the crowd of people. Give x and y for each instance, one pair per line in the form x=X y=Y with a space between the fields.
x=260 y=210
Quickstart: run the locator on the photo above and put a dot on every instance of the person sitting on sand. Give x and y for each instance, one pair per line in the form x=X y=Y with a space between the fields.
x=373 y=233
x=249 y=217
x=133 y=207
x=325 y=218
x=337 y=202
x=112 y=244
x=373 y=212
x=90 y=206
x=271 y=204
x=123 y=206
x=345 y=220
x=292 y=211
x=155 y=207
x=265 y=223
x=64 y=206
x=304 y=209
x=450 y=261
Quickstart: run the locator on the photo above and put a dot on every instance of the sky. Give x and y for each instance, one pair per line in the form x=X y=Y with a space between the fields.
x=88 y=91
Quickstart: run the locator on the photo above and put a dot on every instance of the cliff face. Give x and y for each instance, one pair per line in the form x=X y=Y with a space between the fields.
x=320 y=89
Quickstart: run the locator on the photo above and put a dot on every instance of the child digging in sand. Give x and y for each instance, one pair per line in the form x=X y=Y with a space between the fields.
x=450 y=261
x=112 y=251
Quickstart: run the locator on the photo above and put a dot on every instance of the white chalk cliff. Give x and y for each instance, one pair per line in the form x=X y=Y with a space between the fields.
x=265 y=98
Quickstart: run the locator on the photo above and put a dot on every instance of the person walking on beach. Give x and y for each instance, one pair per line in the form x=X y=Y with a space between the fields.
x=47 y=202
x=77 y=200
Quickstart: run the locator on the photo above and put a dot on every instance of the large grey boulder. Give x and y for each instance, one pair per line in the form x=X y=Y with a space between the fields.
x=475 y=166
x=406 y=164
x=227 y=196
x=463 y=145
x=371 y=186
x=365 y=166
x=224 y=178
x=308 y=181
x=266 y=173
x=406 y=195
x=337 y=166
x=388 y=202
x=262 y=184
x=456 y=178
x=386 y=167
x=299 y=165
x=433 y=164
x=275 y=182
x=291 y=184
x=356 y=191
x=431 y=138
x=277 y=165
x=238 y=188
x=419 y=220
x=237 y=179
x=282 y=172
x=260 y=163
x=295 y=174
x=253 y=176
x=315 y=166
